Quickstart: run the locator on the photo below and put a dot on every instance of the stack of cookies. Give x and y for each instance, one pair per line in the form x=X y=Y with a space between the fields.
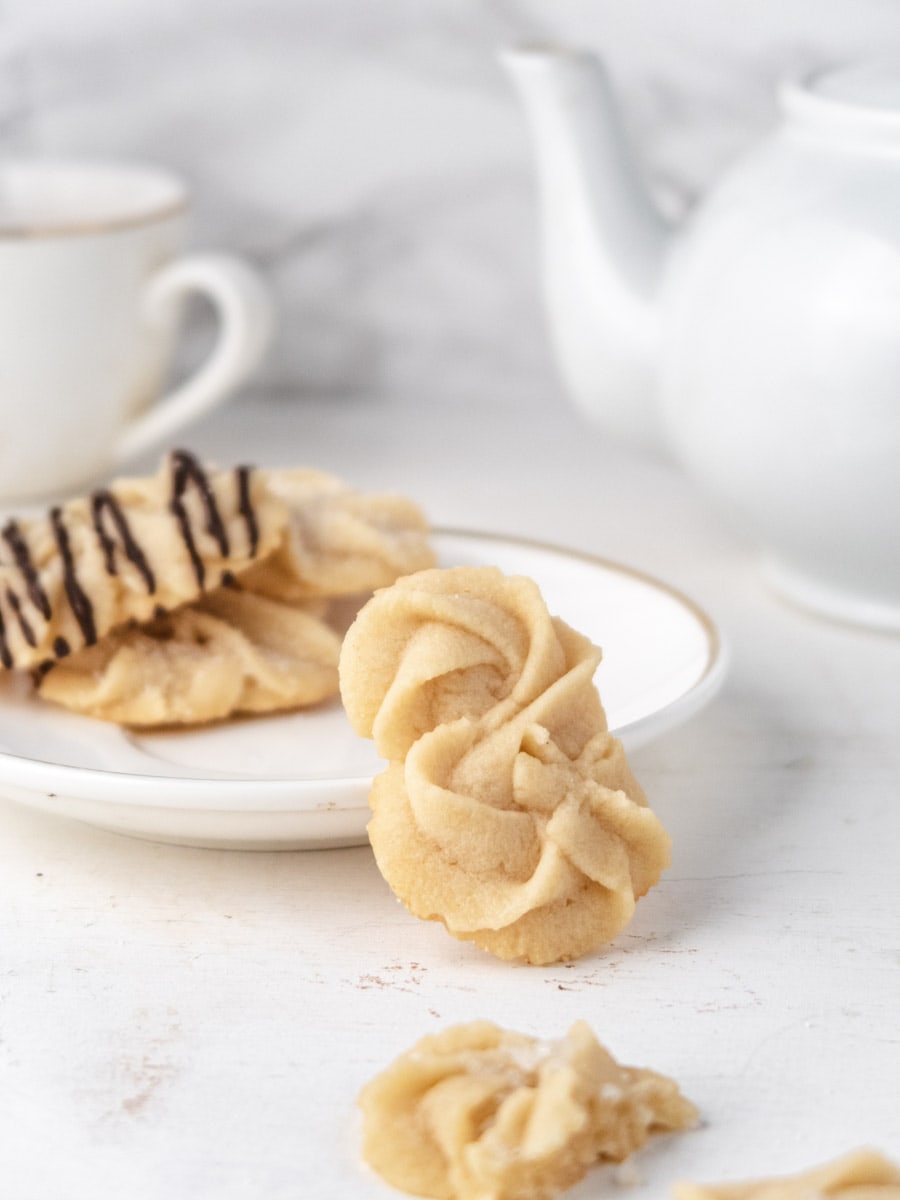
x=197 y=593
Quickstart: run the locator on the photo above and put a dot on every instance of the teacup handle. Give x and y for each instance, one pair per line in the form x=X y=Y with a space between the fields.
x=244 y=312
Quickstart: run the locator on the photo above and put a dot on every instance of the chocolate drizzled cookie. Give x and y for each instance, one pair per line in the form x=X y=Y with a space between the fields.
x=125 y=552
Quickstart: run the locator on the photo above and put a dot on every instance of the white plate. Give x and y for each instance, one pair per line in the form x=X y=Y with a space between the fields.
x=301 y=780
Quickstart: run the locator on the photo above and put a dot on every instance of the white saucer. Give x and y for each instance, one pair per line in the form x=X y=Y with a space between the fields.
x=300 y=781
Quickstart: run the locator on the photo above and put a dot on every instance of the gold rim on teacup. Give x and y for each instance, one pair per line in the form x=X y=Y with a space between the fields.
x=169 y=197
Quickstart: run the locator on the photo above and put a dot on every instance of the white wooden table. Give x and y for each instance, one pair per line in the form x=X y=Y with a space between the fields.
x=195 y=1023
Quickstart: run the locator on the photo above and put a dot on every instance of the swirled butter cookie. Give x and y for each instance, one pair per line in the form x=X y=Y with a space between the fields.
x=507 y=811
x=860 y=1175
x=479 y=1113
x=230 y=652
x=338 y=542
x=126 y=552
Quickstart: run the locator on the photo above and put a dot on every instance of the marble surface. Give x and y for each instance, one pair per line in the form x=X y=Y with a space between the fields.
x=187 y=1023
x=371 y=159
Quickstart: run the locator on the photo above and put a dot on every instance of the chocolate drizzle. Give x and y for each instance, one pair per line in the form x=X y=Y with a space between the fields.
x=12 y=535
x=116 y=540
x=5 y=657
x=186 y=471
x=78 y=598
x=104 y=502
x=246 y=509
x=16 y=605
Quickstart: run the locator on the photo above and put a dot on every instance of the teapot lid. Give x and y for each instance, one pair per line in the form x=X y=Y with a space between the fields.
x=859 y=97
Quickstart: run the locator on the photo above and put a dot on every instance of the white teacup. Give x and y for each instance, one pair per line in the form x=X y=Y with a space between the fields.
x=92 y=280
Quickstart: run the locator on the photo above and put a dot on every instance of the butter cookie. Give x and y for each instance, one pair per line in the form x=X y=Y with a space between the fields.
x=228 y=653
x=127 y=552
x=480 y=1113
x=507 y=810
x=338 y=542
x=859 y=1175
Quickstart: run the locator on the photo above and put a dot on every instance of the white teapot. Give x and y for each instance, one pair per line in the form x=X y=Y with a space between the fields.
x=762 y=341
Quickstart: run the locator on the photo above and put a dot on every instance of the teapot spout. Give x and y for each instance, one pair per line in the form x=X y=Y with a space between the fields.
x=603 y=241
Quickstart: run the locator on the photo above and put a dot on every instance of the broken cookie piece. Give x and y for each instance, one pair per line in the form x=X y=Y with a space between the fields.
x=507 y=811
x=860 y=1175
x=479 y=1113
